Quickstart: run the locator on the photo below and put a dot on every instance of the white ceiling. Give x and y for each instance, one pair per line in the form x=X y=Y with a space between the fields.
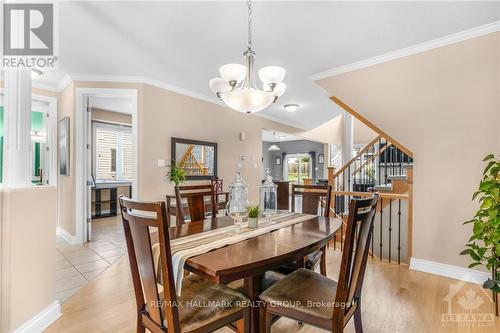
x=184 y=43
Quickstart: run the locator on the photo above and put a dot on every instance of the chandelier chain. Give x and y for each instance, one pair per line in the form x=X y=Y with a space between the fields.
x=249 y=5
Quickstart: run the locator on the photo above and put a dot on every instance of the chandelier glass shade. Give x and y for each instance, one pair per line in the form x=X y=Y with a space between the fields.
x=273 y=147
x=237 y=85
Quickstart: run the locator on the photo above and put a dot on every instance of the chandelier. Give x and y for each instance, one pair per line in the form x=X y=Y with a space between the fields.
x=237 y=85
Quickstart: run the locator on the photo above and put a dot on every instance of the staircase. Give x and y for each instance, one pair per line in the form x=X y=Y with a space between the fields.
x=386 y=167
x=193 y=161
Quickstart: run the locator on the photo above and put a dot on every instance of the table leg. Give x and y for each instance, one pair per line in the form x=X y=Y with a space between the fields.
x=252 y=286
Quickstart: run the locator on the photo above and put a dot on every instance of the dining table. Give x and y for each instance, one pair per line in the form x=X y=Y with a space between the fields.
x=250 y=259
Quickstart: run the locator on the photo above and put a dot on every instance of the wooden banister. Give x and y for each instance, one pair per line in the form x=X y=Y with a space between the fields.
x=371 y=125
x=368 y=194
x=371 y=158
x=360 y=153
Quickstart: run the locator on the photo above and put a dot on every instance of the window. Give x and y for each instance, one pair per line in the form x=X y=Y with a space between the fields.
x=112 y=152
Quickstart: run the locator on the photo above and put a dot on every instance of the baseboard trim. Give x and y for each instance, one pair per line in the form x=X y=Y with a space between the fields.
x=42 y=320
x=67 y=236
x=450 y=271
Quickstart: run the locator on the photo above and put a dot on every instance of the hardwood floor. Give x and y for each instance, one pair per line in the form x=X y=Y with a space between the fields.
x=396 y=299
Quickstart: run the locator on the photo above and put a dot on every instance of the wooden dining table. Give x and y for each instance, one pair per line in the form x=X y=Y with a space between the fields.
x=251 y=258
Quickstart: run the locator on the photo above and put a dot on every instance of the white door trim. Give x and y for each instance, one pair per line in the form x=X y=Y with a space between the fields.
x=81 y=157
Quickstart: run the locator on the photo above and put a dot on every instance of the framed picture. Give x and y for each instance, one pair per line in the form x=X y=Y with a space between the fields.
x=321 y=158
x=64 y=145
x=197 y=158
x=278 y=160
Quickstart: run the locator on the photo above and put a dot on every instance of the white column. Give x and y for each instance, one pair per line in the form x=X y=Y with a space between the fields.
x=17 y=127
x=347 y=139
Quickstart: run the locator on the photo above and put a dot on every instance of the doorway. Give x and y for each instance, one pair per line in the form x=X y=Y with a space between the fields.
x=106 y=152
x=298 y=168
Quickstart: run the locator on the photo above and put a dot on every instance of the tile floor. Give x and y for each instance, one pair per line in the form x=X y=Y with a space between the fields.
x=76 y=265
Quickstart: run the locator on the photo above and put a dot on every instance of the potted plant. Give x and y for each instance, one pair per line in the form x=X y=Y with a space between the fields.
x=176 y=174
x=253 y=215
x=484 y=244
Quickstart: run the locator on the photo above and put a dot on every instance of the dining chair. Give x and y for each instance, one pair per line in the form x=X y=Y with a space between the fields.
x=198 y=196
x=312 y=298
x=158 y=307
x=312 y=197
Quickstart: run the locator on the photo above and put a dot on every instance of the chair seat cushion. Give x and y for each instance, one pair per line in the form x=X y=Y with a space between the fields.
x=202 y=302
x=303 y=291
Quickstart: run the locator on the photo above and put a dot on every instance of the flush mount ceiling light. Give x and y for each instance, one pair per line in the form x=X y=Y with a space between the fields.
x=237 y=87
x=291 y=107
x=273 y=147
x=35 y=73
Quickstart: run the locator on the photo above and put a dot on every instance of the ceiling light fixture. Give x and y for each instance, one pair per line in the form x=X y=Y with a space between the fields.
x=237 y=87
x=35 y=73
x=291 y=107
x=273 y=147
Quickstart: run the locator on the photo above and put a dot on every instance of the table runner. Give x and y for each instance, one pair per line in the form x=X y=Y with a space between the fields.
x=193 y=245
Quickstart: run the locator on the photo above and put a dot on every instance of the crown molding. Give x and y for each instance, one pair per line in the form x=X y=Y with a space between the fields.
x=64 y=83
x=143 y=80
x=161 y=85
x=411 y=50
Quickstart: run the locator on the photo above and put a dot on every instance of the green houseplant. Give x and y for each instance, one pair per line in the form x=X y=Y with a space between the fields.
x=176 y=174
x=484 y=244
x=253 y=215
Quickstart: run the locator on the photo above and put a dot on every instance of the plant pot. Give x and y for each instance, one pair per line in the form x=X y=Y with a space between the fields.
x=253 y=222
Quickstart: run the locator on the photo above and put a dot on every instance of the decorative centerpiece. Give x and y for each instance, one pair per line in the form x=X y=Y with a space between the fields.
x=253 y=216
x=268 y=195
x=238 y=200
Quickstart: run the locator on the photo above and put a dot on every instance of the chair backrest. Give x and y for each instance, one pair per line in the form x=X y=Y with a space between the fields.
x=218 y=184
x=311 y=198
x=358 y=235
x=198 y=196
x=138 y=219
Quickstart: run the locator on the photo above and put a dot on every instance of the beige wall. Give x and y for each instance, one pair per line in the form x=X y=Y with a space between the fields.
x=444 y=105
x=28 y=220
x=362 y=134
x=66 y=184
x=161 y=115
x=167 y=114
x=111 y=117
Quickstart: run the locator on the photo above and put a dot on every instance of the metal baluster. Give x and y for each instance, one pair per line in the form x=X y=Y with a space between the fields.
x=385 y=161
x=378 y=158
x=381 y=211
x=390 y=228
x=391 y=156
x=399 y=232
